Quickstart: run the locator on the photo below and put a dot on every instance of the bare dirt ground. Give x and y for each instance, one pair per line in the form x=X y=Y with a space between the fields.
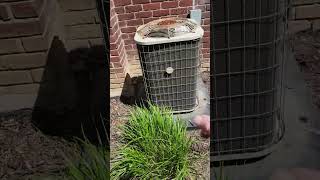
x=306 y=47
x=201 y=149
x=25 y=152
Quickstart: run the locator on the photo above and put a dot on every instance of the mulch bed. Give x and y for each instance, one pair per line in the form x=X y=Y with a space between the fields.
x=306 y=47
x=25 y=152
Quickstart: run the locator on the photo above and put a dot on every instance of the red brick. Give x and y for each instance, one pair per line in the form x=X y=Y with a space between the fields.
x=205 y=50
x=122 y=2
x=207 y=55
x=113 y=21
x=117 y=65
x=134 y=22
x=206 y=22
x=201 y=2
x=130 y=57
x=36 y=43
x=185 y=3
x=169 y=4
x=208 y=7
x=116 y=42
x=207 y=60
x=128 y=29
x=111 y=5
x=121 y=75
x=128 y=47
x=9 y=46
x=134 y=46
x=140 y=1
x=132 y=52
x=203 y=8
x=178 y=11
x=158 y=0
x=129 y=41
x=183 y=15
x=143 y=14
x=24 y=10
x=112 y=13
x=117 y=70
x=146 y=20
x=121 y=46
x=113 y=46
x=206 y=45
x=151 y=6
x=119 y=10
x=113 y=76
x=123 y=17
x=206 y=14
x=123 y=60
x=15 y=77
x=122 y=24
x=114 y=29
x=206 y=40
x=114 y=53
x=21 y=29
x=206 y=27
x=124 y=36
x=134 y=8
x=206 y=34
x=4 y=13
x=114 y=38
x=131 y=35
x=114 y=59
x=160 y=13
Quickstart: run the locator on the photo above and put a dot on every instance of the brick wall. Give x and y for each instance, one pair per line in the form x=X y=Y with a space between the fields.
x=127 y=15
x=304 y=15
x=24 y=40
x=118 y=61
x=27 y=28
x=81 y=24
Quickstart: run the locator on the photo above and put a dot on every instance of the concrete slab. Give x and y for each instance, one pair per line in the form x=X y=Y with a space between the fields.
x=298 y=148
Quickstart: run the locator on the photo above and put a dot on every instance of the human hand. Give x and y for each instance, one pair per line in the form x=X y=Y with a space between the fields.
x=203 y=123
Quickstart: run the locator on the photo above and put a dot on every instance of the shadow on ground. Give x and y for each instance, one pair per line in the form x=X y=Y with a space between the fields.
x=133 y=92
x=73 y=94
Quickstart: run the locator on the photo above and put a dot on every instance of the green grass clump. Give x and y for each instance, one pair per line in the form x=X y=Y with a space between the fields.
x=92 y=163
x=156 y=147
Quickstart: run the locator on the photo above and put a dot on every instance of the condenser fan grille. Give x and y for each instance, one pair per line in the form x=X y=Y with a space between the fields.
x=168 y=27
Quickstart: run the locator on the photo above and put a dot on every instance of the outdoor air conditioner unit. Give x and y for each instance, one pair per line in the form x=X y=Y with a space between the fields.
x=169 y=56
x=248 y=54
